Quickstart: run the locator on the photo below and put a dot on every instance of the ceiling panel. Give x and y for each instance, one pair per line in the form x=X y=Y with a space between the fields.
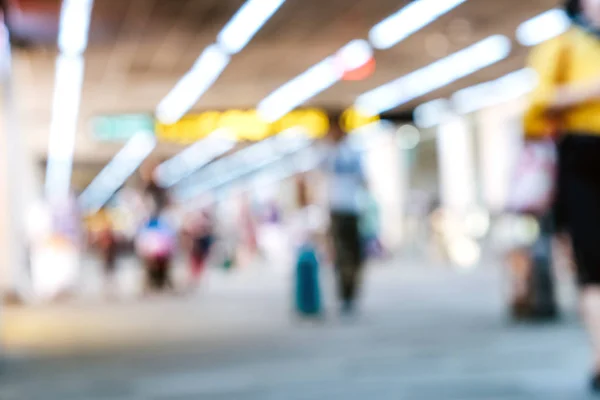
x=139 y=49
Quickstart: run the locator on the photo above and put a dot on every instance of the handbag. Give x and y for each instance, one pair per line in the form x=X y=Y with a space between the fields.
x=533 y=189
x=534 y=185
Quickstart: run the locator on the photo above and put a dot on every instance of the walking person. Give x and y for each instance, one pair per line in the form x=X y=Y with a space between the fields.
x=108 y=246
x=574 y=104
x=305 y=225
x=156 y=240
x=200 y=237
x=346 y=182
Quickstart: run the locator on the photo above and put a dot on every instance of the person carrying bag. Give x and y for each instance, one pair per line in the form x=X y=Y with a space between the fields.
x=572 y=106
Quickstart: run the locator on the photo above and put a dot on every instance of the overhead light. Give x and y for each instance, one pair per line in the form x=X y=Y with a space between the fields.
x=314 y=80
x=194 y=83
x=295 y=92
x=409 y=20
x=508 y=87
x=430 y=114
x=245 y=23
x=355 y=54
x=72 y=40
x=244 y=162
x=543 y=27
x=63 y=125
x=74 y=26
x=213 y=60
x=193 y=158
x=117 y=171
x=435 y=75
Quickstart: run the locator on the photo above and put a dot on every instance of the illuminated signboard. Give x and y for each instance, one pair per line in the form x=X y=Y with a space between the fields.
x=120 y=128
x=352 y=119
x=245 y=125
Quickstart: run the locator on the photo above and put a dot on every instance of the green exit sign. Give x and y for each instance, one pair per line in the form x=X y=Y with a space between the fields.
x=119 y=128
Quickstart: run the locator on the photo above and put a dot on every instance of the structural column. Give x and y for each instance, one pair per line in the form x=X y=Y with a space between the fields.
x=15 y=181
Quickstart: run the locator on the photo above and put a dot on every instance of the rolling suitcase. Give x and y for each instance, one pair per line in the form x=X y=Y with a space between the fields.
x=308 y=293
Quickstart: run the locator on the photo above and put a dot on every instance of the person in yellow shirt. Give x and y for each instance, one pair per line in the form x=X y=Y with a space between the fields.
x=568 y=97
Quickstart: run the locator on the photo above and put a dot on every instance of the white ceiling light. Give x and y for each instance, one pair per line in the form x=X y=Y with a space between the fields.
x=245 y=23
x=355 y=54
x=314 y=80
x=409 y=20
x=63 y=125
x=435 y=75
x=72 y=41
x=429 y=114
x=74 y=25
x=243 y=162
x=508 y=87
x=192 y=85
x=543 y=27
x=116 y=172
x=213 y=60
x=295 y=92
x=193 y=158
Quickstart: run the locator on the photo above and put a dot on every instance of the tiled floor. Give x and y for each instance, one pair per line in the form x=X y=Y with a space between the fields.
x=422 y=333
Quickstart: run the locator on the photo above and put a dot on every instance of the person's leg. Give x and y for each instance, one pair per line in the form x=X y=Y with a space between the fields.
x=590 y=310
x=165 y=274
x=349 y=256
x=339 y=259
x=581 y=207
x=356 y=254
x=151 y=284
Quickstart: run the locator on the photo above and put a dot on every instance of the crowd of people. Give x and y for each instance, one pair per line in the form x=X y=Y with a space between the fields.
x=344 y=238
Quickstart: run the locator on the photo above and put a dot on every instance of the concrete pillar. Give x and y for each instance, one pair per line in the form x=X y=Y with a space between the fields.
x=500 y=131
x=388 y=181
x=458 y=188
x=16 y=180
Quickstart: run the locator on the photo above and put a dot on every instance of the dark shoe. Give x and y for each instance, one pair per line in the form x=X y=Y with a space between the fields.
x=595 y=383
x=520 y=310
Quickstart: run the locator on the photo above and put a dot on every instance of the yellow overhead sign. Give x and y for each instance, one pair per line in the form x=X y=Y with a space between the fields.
x=248 y=125
x=244 y=124
x=352 y=119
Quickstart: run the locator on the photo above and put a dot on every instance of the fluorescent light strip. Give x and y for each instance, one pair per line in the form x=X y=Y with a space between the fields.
x=474 y=98
x=117 y=171
x=193 y=85
x=354 y=54
x=244 y=162
x=409 y=20
x=295 y=92
x=63 y=125
x=72 y=41
x=314 y=80
x=245 y=23
x=429 y=114
x=301 y=161
x=543 y=27
x=213 y=60
x=230 y=165
x=193 y=158
x=510 y=86
x=435 y=75
x=74 y=26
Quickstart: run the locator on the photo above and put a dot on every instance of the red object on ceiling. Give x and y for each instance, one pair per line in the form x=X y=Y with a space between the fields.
x=360 y=73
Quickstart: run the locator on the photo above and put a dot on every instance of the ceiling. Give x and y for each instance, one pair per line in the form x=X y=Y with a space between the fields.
x=138 y=49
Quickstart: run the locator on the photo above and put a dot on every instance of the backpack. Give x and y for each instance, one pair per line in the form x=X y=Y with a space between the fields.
x=155 y=239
